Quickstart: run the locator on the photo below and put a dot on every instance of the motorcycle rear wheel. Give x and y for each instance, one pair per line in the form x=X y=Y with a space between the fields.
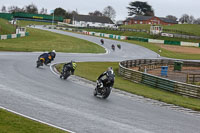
x=95 y=92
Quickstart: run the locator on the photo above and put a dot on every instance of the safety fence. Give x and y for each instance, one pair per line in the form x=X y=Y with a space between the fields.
x=192 y=78
x=11 y=36
x=155 y=81
x=141 y=39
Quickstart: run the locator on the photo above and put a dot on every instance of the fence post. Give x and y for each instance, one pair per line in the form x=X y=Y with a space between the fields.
x=187 y=80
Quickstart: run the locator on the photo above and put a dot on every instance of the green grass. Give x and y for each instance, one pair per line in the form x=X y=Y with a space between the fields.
x=193 y=29
x=166 y=53
x=12 y=123
x=91 y=70
x=137 y=26
x=40 y=40
x=6 y=27
x=189 y=28
x=25 y=23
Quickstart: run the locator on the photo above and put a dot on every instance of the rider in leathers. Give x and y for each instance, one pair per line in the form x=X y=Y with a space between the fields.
x=71 y=66
x=107 y=78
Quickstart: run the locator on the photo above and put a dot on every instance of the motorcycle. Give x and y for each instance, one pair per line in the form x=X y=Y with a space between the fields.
x=102 y=41
x=119 y=46
x=113 y=47
x=40 y=62
x=65 y=73
x=101 y=90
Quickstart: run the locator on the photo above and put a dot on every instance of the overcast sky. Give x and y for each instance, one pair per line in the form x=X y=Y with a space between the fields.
x=161 y=8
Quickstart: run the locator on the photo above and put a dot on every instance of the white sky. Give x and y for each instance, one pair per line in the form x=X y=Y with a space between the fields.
x=161 y=8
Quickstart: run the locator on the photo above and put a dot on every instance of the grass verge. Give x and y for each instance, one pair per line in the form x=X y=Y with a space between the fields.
x=12 y=123
x=91 y=70
x=166 y=53
x=40 y=40
x=6 y=27
x=25 y=23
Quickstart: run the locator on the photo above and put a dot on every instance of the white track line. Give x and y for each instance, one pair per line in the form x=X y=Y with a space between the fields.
x=36 y=120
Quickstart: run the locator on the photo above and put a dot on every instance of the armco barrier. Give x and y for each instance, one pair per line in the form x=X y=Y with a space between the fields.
x=155 y=81
x=190 y=44
x=11 y=36
x=172 y=42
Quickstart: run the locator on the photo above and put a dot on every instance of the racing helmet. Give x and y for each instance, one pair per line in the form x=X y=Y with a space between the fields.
x=110 y=70
x=74 y=65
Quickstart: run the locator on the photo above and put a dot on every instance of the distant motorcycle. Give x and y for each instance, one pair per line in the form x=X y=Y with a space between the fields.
x=119 y=46
x=113 y=47
x=102 y=90
x=102 y=41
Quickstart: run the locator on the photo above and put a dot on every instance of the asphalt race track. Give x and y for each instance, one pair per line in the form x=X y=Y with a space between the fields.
x=70 y=104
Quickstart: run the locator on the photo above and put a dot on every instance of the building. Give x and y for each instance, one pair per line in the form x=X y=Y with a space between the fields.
x=92 y=21
x=153 y=20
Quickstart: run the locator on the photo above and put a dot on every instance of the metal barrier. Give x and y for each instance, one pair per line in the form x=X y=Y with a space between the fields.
x=155 y=81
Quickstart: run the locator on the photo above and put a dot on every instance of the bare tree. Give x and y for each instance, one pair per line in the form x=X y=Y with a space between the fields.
x=42 y=11
x=185 y=18
x=3 y=9
x=109 y=12
x=74 y=13
x=31 y=9
x=171 y=17
x=191 y=19
x=197 y=21
x=45 y=11
x=13 y=9
x=95 y=13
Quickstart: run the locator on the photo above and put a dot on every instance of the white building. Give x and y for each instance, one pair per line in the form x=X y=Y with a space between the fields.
x=92 y=21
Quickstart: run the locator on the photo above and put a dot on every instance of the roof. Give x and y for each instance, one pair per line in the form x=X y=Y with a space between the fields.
x=144 y=18
x=168 y=20
x=89 y=18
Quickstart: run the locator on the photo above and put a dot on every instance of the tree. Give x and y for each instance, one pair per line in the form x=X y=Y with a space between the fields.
x=95 y=13
x=140 y=8
x=197 y=21
x=68 y=15
x=109 y=12
x=13 y=9
x=45 y=11
x=187 y=19
x=191 y=19
x=3 y=9
x=42 y=11
x=74 y=12
x=31 y=9
x=60 y=12
x=171 y=17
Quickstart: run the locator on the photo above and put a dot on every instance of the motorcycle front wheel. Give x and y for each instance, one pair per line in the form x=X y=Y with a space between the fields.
x=106 y=93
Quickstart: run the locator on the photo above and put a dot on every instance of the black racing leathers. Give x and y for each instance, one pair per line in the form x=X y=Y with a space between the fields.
x=69 y=66
x=107 y=78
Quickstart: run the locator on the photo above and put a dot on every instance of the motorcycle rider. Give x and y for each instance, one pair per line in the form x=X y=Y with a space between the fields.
x=113 y=47
x=119 y=46
x=71 y=65
x=107 y=78
x=45 y=57
x=102 y=41
x=53 y=54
